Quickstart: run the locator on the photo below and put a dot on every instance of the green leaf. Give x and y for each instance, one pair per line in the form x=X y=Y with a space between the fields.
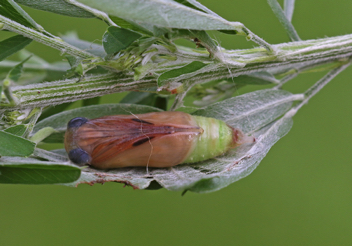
x=73 y=60
x=205 y=40
x=16 y=72
x=42 y=134
x=132 y=26
x=252 y=110
x=13 y=75
x=57 y=6
x=32 y=119
x=213 y=92
x=59 y=121
x=32 y=171
x=201 y=38
x=19 y=12
x=50 y=156
x=8 y=10
x=255 y=113
x=90 y=47
x=91 y=176
x=116 y=39
x=291 y=31
x=31 y=77
x=143 y=28
x=171 y=74
x=18 y=130
x=56 y=137
x=163 y=14
x=76 y=66
x=12 y=145
x=12 y=45
x=289 y=6
x=258 y=78
x=35 y=72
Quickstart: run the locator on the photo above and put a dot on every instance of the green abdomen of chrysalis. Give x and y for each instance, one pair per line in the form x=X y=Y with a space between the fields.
x=216 y=139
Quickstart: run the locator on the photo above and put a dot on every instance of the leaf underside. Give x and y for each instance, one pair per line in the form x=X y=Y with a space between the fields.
x=256 y=113
x=57 y=6
x=161 y=14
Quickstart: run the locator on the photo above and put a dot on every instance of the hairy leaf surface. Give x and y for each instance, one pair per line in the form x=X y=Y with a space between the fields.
x=255 y=113
x=57 y=6
x=163 y=13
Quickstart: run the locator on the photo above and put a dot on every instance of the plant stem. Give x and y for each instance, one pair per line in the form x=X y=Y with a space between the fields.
x=33 y=118
x=322 y=82
x=53 y=93
x=312 y=91
x=8 y=93
x=294 y=55
x=251 y=36
x=56 y=43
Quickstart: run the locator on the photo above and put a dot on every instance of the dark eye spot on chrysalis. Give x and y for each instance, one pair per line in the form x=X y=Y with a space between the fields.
x=79 y=156
x=76 y=122
x=142 y=121
x=142 y=141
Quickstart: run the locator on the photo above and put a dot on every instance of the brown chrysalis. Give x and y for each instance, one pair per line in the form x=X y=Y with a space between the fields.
x=160 y=139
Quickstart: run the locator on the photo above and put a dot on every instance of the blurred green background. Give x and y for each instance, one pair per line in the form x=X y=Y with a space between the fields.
x=299 y=195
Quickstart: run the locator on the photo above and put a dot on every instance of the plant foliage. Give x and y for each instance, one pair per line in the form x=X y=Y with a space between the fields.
x=138 y=54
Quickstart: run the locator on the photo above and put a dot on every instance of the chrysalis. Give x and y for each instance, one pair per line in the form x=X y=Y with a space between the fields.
x=160 y=139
